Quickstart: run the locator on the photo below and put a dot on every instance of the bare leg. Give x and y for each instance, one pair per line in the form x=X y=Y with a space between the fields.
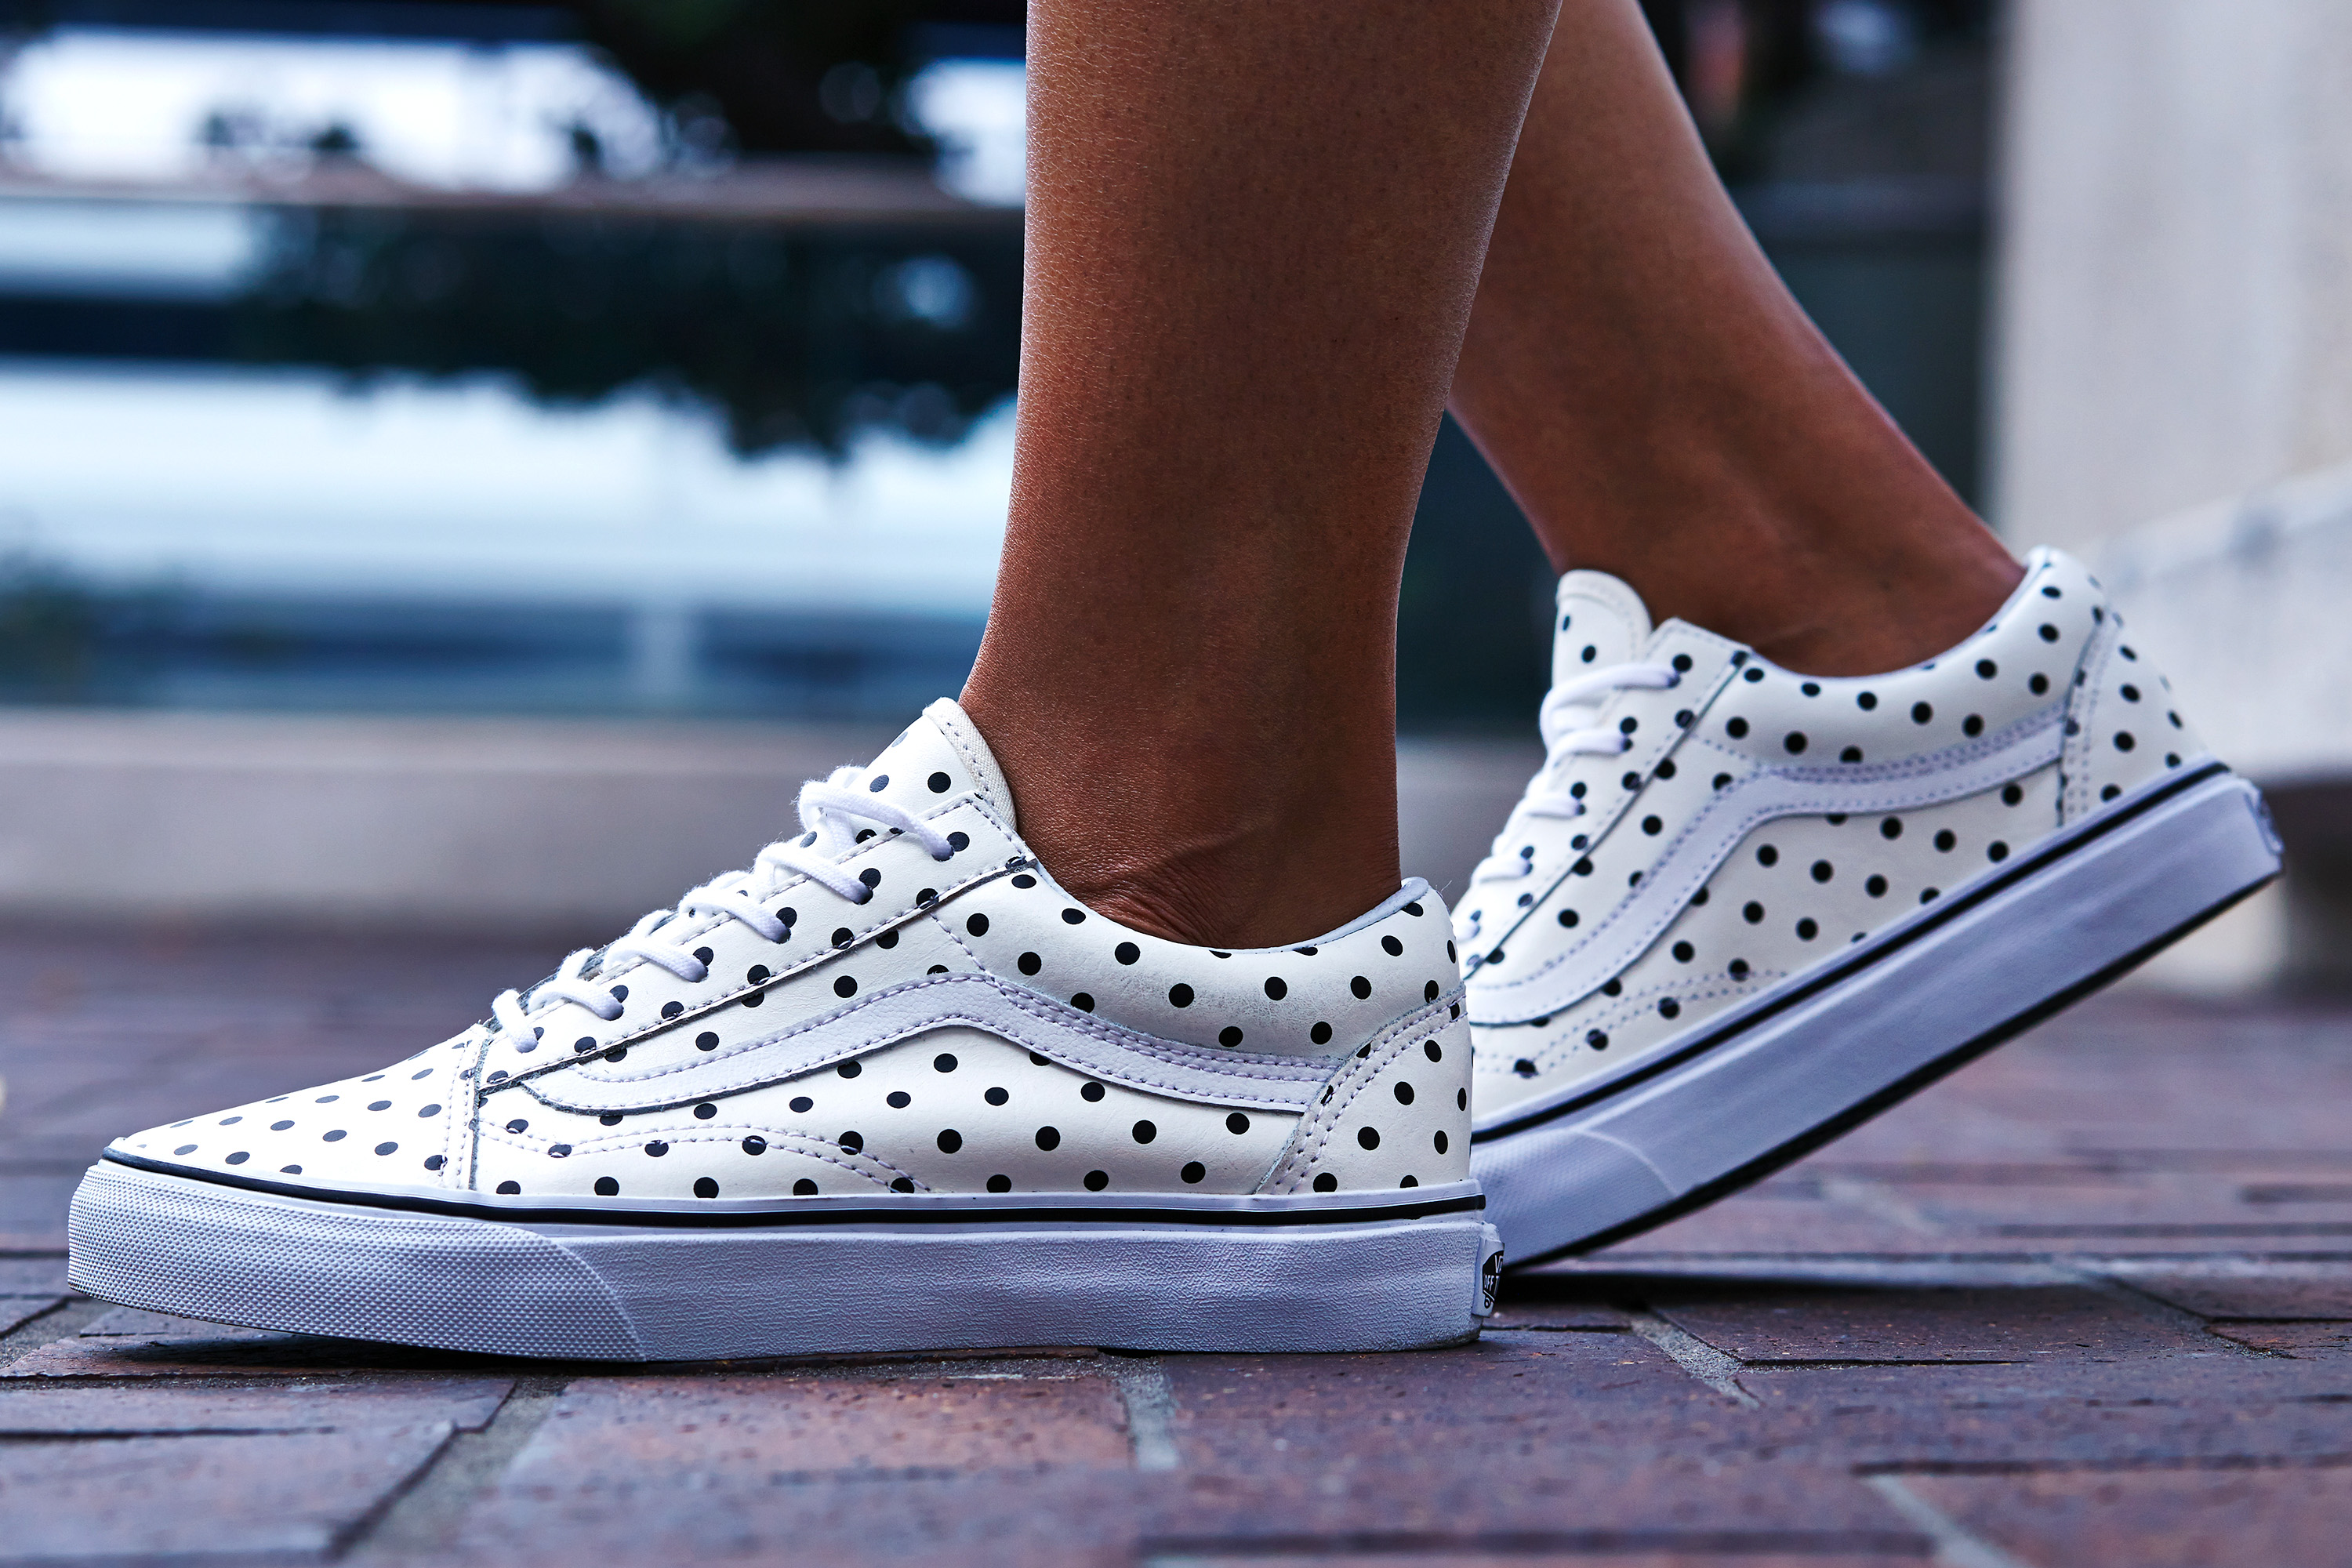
x=1664 y=411
x=1254 y=233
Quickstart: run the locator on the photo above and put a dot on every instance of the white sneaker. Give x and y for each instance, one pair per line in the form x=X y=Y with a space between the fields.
x=1740 y=911
x=891 y=1089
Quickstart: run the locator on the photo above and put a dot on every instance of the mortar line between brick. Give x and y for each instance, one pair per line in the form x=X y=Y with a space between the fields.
x=1693 y=1354
x=1151 y=1400
x=1956 y=1545
x=422 y=1519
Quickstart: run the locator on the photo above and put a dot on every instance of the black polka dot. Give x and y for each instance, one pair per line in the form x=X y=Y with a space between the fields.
x=2010 y=794
x=1029 y=963
x=846 y=986
x=1092 y=1092
x=1320 y=1034
x=1807 y=930
x=1738 y=969
x=337 y=1136
x=1072 y=917
x=1404 y=1094
x=2111 y=791
x=2124 y=742
x=803 y=1188
x=704 y=1187
x=610 y=1118
x=1823 y=870
x=1098 y=1180
x=1231 y=1034
x=1669 y=1008
x=510 y=1189
x=1434 y=1051
x=949 y=1140
x=1685 y=953
x=1237 y=1123
x=1145 y=1131
x=1126 y=952
x=1024 y=880
x=1921 y=712
x=897 y=1100
x=1735 y=727
x=242 y=1155
x=939 y=783
x=1275 y=990
x=1876 y=886
x=1360 y=986
x=755 y=1144
x=1945 y=839
x=657 y=1148
x=672 y=1009
x=1753 y=912
x=1194 y=1172
x=1368 y=1137
x=2049 y=634
x=2038 y=685
x=1851 y=754
x=1794 y=740
x=584 y=1043
x=1768 y=855
x=1326 y=1183
x=705 y=1041
x=1049 y=1138
x=1000 y=1183
x=606 y=1187
x=958 y=842
x=1987 y=669
x=1430 y=992
x=1180 y=994
x=1996 y=850
x=1083 y=1002
x=887 y=939
x=853 y=1141
x=977 y=925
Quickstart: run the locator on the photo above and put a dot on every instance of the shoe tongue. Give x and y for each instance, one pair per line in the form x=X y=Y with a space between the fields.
x=1601 y=622
x=937 y=758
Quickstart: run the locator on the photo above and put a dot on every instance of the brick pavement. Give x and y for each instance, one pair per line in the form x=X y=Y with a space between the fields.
x=2088 y=1302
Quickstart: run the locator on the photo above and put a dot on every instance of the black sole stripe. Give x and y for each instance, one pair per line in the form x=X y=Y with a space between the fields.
x=786 y=1216
x=1902 y=1089
x=1945 y=911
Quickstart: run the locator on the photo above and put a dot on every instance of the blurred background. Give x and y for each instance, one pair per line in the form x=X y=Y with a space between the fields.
x=462 y=464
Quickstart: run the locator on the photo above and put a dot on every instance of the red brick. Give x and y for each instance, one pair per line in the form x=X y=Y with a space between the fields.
x=2153 y=1517
x=467 y=1404
x=291 y=1495
x=2015 y=1324
x=2303 y=1291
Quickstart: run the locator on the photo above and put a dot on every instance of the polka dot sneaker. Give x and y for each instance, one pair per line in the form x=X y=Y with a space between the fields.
x=891 y=1089
x=1740 y=911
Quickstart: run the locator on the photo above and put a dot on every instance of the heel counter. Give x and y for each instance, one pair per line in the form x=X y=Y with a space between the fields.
x=1396 y=1114
x=2123 y=725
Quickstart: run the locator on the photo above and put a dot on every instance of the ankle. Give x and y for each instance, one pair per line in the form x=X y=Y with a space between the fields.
x=1874 y=615
x=1191 y=838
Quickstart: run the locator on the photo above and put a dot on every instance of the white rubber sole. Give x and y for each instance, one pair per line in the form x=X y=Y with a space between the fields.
x=1739 y=1095
x=1353 y=1273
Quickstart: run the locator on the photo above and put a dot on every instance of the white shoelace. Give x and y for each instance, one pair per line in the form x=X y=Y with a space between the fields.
x=829 y=809
x=1563 y=723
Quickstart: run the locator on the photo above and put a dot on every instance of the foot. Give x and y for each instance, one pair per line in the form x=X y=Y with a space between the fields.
x=1739 y=909
x=891 y=1089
